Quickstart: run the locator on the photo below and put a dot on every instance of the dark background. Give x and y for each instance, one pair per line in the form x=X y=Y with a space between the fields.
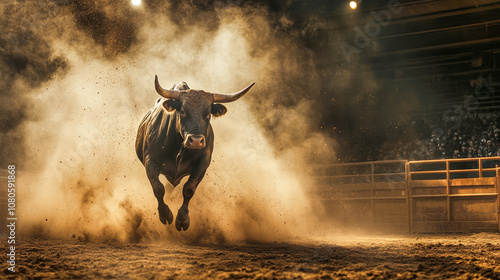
x=431 y=60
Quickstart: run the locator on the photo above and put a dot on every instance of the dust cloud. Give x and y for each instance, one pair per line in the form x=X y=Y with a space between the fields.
x=80 y=177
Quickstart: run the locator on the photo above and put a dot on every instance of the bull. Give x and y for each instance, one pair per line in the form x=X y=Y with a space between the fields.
x=176 y=139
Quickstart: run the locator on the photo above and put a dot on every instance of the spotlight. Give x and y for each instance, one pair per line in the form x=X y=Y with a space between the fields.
x=136 y=2
x=353 y=5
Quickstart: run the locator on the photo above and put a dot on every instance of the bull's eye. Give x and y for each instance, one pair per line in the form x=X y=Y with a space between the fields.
x=182 y=113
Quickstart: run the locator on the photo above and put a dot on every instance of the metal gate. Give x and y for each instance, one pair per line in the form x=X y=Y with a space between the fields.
x=452 y=195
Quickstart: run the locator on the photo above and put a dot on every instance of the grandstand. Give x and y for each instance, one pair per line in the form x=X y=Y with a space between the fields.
x=419 y=127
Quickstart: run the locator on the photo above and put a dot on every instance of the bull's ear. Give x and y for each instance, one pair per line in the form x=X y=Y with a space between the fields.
x=218 y=110
x=171 y=105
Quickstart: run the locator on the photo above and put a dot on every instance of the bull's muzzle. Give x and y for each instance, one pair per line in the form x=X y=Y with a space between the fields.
x=194 y=141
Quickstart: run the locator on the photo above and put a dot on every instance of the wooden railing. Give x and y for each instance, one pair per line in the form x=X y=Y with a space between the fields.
x=473 y=162
x=459 y=194
x=419 y=196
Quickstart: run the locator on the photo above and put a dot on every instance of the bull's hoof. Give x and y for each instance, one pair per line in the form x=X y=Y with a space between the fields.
x=165 y=214
x=182 y=219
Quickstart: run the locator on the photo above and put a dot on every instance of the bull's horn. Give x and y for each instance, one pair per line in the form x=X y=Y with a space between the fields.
x=170 y=94
x=225 y=98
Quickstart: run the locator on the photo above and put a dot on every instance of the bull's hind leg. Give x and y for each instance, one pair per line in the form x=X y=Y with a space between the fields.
x=182 y=219
x=153 y=172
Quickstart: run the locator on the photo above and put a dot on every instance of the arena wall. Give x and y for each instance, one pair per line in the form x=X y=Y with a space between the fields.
x=449 y=195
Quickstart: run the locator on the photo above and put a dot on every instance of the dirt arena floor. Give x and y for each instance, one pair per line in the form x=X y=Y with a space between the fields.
x=453 y=256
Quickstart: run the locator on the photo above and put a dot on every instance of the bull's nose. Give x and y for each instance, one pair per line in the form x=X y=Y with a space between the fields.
x=195 y=141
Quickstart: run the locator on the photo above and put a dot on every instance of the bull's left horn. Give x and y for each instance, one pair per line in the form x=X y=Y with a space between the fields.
x=225 y=98
x=170 y=94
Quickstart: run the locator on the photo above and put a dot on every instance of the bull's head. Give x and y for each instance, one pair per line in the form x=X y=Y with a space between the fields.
x=193 y=109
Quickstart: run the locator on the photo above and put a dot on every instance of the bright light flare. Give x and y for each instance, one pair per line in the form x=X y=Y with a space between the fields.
x=136 y=2
x=353 y=5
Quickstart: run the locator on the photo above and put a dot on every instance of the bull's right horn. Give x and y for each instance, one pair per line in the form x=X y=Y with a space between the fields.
x=170 y=94
x=226 y=98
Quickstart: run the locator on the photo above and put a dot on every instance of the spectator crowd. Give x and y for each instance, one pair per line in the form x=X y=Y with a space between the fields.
x=460 y=136
x=463 y=135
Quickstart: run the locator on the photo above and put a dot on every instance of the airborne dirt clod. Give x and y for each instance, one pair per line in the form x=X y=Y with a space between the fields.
x=473 y=256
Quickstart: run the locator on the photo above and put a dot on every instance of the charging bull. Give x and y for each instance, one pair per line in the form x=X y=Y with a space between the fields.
x=175 y=139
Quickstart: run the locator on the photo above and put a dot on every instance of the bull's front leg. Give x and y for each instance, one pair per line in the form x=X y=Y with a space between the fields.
x=153 y=172
x=182 y=219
